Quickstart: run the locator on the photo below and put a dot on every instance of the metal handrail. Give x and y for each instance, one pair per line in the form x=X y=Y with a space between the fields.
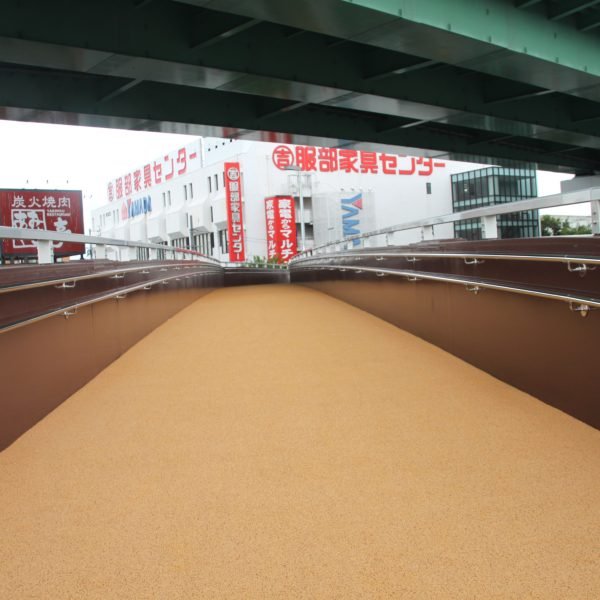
x=579 y=260
x=98 y=275
x=584 y=303
x=577 y=197
x=250 y=265
x=121 y=293
x=18 y=233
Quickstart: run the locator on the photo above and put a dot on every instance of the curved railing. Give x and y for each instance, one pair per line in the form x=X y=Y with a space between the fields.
x=45 y=239
x=576 y=263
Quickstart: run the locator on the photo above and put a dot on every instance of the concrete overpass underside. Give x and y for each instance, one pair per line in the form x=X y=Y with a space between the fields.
x=495 y=80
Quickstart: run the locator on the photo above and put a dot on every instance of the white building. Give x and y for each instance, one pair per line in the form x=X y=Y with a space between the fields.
x=180 y=199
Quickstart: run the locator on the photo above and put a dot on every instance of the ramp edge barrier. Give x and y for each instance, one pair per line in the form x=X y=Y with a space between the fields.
x=579 y=304
x=114 y=273
x=45 y=238
x=476 y=257
x=120 y=294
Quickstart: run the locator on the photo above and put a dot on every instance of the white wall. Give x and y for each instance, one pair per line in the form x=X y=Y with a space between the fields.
x=387 y=199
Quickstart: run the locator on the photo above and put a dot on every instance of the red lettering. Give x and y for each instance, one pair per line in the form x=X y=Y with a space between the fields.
x=368 y=162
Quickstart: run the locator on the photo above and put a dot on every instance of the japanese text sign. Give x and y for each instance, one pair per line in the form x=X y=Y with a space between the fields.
x=343 y=160
x=281 y=228
x=162 y=170
x=51 y=210
x=235 y=219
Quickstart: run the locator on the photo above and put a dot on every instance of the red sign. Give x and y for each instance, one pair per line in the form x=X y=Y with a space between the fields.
x=52 y=210
x=235 y=220
x=342 y=160
x=281 y=228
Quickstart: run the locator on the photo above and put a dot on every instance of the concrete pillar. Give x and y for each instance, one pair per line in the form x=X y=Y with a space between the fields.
x=489 y=227
x=45 y=252
x=427 y=233
x=100 y=251
x=595 y=216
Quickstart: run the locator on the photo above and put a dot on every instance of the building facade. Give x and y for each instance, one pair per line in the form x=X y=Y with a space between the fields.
x=186 y=199
x=490 y=186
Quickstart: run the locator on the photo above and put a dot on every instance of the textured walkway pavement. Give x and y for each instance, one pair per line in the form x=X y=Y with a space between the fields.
x=272 y=442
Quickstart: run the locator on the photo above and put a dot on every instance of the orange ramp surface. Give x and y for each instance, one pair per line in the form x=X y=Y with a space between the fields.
x=273 y=442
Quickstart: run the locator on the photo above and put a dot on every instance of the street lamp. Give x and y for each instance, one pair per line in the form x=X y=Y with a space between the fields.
x=301 y=199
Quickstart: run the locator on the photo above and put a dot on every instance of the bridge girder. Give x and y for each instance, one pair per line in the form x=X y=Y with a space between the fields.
x=266 y=66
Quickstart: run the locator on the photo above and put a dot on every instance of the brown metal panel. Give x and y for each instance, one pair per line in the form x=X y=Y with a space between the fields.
x=42 y=364
x=534 y=344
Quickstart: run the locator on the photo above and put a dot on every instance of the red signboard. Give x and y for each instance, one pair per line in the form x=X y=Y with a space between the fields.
x=281 y=228
x=52 y=210
x=235 y=220
x=344 y=160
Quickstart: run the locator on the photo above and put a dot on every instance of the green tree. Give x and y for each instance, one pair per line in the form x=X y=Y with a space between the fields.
x=556 y=226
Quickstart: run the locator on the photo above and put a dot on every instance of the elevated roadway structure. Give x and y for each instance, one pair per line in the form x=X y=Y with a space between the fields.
x=494 y=80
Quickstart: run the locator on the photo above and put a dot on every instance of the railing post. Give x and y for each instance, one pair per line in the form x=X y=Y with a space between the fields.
x=100 y=251
x=489 y=227
x=45 y=252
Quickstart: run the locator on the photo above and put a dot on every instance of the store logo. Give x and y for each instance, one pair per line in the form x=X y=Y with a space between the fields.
x=351 y=218
x=233 y=174
x=140 y=206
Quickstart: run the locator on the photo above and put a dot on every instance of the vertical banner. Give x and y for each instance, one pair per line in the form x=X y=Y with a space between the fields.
x=281 y=228
x=272 y=237
x=235 y=221
x=51 y=210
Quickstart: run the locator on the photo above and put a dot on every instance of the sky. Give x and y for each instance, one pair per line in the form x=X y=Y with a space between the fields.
x=34 y=155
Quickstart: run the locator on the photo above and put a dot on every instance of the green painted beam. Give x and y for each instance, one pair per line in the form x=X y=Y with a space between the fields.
x=501 y=24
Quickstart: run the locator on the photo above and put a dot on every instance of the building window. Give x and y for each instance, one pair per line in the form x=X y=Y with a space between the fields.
x=216 y=182
x=212 y=215
x=209 y=184
x=490 y=186
x=184 y=193
x=191 y=191
x=428 y=188
x=164 y=200
x=223 y=241
x=169 y=197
